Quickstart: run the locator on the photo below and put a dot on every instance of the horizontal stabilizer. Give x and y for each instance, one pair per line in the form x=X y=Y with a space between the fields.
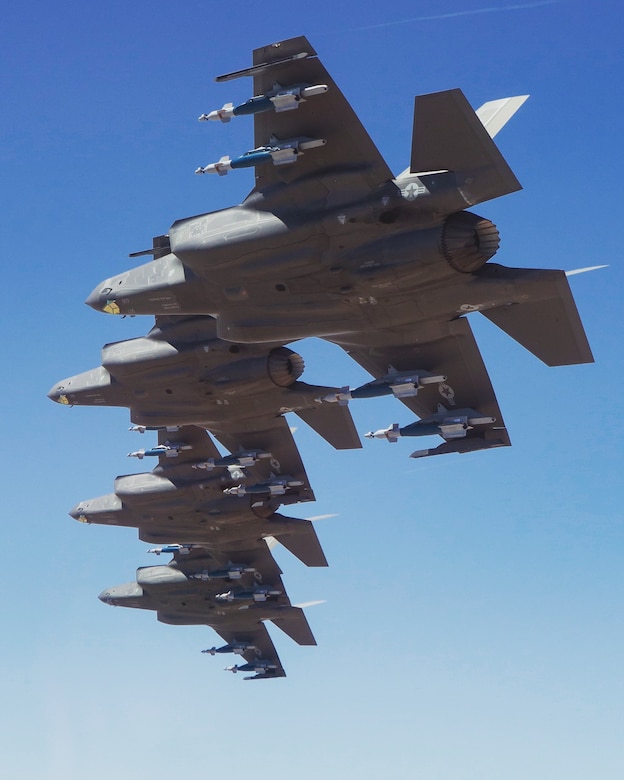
x=304 y=544
x=449 y=136
x=296 y=626
x=334 y=423
x=548 y=326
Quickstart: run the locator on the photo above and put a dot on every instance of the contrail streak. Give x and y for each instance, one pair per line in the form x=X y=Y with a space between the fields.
x=454 y=14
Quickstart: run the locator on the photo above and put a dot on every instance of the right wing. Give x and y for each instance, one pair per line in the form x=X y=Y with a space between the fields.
x=348 y=148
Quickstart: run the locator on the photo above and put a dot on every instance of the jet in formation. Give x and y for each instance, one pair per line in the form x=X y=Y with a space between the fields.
x=329 y=243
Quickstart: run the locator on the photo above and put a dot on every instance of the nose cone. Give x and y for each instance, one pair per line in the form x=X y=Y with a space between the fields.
x=106 y=596
x=162 y=286
x=102 y=298
x=130 y=595
x=57 y=393
x=104 y=510
x=91 y=388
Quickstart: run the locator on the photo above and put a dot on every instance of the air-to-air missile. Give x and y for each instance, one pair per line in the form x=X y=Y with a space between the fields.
x=278 y=486
x=277 y=99
x=257 y=594
x=243 y=459
x=405 y=384
x=238 y=648
x=454 y=425
x=170 y=449
x=260 y=667
x=278 y=152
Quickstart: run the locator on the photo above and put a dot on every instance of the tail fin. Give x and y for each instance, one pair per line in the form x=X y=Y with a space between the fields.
x=305 y=545
x=449 y=136
x=296 y=626
x=549 y=326
x=334 y=423
x=298 y=537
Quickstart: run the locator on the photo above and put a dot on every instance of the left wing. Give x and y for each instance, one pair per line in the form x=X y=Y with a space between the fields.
x=193 y=560
x=452 y=353
x=187 y=444
x=262 y=660
x=276 y=440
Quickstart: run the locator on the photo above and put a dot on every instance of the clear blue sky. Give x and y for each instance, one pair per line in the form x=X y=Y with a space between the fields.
x=473 y=628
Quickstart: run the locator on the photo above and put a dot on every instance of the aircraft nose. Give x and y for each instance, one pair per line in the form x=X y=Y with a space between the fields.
x=106 y=597
x=101 y=299
x=58 y=395
x=77 y=512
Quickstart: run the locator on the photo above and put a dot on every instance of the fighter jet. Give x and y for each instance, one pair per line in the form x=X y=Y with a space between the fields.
x=221 y=501
x=329 y=243
x=181 y=373
x=232 y=594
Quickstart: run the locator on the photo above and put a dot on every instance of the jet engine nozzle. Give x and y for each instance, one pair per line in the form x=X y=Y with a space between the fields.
x=285 y=366
x=468 y=241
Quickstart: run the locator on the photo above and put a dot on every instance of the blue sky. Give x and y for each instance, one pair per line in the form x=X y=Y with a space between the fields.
x=473 y=620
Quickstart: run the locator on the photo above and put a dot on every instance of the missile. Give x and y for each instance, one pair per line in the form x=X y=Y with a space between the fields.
x=143 y=428
x=257 y=595
x=259 y=667
x=391 y=433
x=400 y=384
x=279 y=153
x=274 y=487
x=278 y=99
x=182 y=549
x=233 y=572
x=449 y=425
x=242 y=459
x=170 y=449
x=234 y=647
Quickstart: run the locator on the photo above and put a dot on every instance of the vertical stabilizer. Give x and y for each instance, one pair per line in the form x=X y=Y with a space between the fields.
x=449 y=136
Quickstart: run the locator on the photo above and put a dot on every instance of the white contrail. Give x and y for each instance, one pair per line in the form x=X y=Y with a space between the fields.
x=453 y=14
x=585 y=270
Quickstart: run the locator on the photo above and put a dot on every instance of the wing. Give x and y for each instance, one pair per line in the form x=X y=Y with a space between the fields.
x=257 y=556
x=256 y=635
x=276 y=439
x=453 y=353
x=189 y=443
x=348 y=148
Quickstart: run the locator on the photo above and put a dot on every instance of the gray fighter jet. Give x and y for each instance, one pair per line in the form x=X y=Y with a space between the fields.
x=233 y=594
x=182 y=373
x=329 y=243
x=198 y=495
